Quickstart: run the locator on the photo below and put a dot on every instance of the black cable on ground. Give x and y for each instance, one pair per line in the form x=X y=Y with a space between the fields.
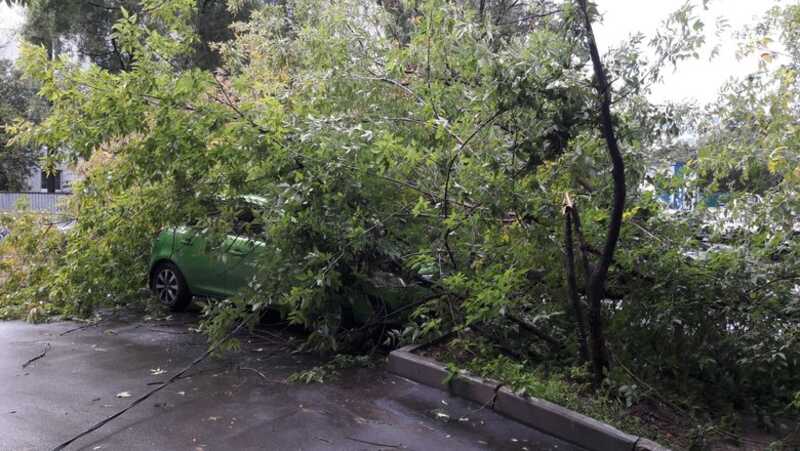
x=172 y=379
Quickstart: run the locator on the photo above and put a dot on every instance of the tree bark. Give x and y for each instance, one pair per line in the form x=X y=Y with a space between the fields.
x=584 y=246
x=572 y=285
x=597 y=282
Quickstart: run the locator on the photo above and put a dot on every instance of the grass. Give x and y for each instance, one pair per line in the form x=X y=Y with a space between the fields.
x=570 y=387
x=626 y=403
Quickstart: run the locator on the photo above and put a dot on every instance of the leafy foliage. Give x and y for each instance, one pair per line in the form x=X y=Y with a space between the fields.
x=568 y=387
x=86 y=28
x=326 y=372
x=17 y=101
x=26 y=256
x=418 y=157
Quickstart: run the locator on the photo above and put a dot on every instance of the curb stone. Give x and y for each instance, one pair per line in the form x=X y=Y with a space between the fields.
x=561 y=422
x=545 y=416
x=482 y=391
x=644 y=444
x=418 y=368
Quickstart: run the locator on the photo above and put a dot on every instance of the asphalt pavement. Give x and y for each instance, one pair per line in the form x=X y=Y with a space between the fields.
x=238 y=401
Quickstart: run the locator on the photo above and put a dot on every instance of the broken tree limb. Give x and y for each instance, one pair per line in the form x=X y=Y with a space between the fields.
x=572 y=284
x=85 y=326
x=44 y=353
x=367 y=442
x=261 y=375
x=554 y=344
x=584 y=246
x=498 y=342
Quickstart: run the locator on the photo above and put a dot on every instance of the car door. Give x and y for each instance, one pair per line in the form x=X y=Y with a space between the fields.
x=201 y=265
x=243 y=249
x=241 y=261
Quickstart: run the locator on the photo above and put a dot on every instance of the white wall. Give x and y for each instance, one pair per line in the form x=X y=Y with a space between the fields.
x=68 y=177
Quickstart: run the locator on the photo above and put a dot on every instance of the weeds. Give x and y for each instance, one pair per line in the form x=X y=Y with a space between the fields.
x=330 y=370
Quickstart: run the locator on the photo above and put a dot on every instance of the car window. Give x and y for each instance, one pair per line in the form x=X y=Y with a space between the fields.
x=205 y=209
x=247 y=224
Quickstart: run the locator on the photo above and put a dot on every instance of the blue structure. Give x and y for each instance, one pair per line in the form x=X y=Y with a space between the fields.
x=683 y=199
x=676 y=200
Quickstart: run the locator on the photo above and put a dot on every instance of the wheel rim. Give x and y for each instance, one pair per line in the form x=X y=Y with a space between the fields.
x=167 y=286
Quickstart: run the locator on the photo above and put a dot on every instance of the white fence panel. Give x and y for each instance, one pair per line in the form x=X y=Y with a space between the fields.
x=40 y=202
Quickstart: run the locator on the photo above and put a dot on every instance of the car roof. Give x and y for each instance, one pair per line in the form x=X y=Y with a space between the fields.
x=254 y=199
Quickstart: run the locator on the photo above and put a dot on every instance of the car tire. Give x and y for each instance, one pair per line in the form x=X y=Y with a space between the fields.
x=169 y=286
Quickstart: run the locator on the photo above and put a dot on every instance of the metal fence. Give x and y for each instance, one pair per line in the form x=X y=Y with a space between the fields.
x=41 y=202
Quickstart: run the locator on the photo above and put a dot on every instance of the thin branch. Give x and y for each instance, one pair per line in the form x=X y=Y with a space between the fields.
x=440 y=121
x=772 y=282
x=647 y=232
x=262 y=375
x=529 y=17
x=85 y=326
x=554 y=344
x=367 y=442
x=448 y=173
x=44 y=353
x=170 y=381
x=107 y=8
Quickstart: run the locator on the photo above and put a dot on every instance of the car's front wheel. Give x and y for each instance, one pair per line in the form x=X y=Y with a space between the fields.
x=169 y=285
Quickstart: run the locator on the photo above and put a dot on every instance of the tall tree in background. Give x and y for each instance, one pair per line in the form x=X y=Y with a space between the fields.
x=17 y=100
x=86 y=27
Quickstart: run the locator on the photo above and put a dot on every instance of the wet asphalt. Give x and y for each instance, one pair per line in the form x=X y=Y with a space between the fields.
x=238 y=401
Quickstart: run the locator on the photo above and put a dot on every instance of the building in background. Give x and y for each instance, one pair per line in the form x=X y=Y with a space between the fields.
x=60 y=182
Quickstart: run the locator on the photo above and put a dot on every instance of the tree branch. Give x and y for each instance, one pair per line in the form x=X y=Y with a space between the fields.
x=554 y=344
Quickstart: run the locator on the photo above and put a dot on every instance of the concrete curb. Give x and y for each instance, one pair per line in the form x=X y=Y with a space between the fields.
x=644 y=444
x=537 y=413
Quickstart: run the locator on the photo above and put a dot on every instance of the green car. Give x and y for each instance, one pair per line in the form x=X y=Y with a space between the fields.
x=183 y=264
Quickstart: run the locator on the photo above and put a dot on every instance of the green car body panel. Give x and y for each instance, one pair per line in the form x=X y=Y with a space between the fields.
x=218 y=270
x=221 y=270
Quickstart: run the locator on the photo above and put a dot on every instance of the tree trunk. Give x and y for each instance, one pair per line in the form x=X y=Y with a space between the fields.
x=597 y=282
x=584 y=246
x=572 y=285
